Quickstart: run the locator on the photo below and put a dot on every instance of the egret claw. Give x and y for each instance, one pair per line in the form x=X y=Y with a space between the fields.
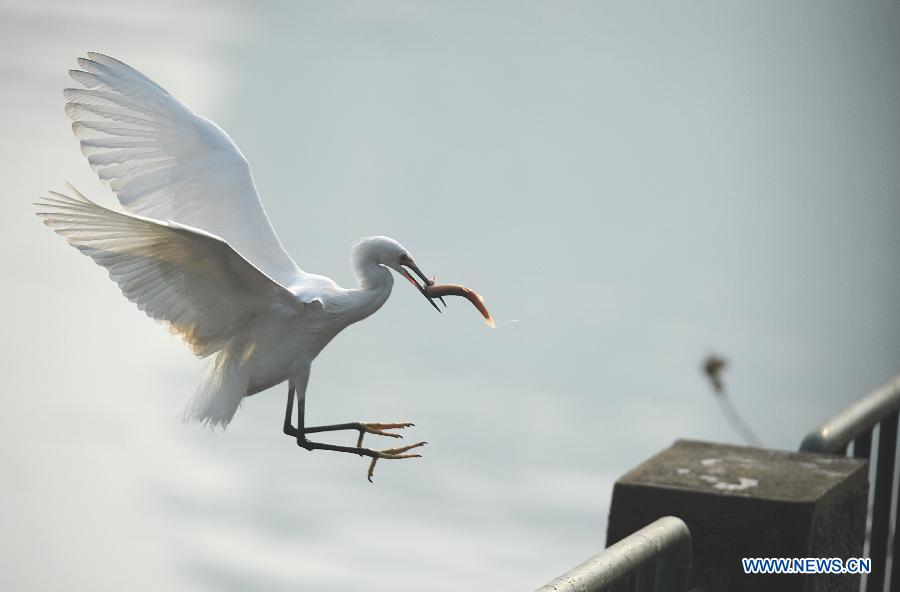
x=392 y=453
x=379 y=430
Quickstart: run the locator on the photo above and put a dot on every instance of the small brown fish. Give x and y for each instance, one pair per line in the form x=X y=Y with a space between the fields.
x=439 y=290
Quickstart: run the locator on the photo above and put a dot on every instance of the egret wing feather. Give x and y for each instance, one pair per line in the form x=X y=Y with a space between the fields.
x=193 y=281
x=165 y=162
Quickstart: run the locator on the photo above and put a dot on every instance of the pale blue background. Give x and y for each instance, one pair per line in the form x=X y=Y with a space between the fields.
x=636 y=184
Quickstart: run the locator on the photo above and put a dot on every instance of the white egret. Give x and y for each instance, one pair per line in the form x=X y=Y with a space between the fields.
x=197 y=252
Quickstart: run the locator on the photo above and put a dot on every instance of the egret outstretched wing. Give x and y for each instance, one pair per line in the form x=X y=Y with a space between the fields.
x=168 y=163
x=193 y=281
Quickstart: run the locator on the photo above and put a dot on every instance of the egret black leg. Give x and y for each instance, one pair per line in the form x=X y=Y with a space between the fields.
x=300 y=431
x=289 y=429
x=301 y=420
x=363 y=428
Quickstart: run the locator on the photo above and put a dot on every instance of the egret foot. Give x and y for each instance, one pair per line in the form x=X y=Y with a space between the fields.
x=392 y=453
x=379 y=429
x=386 y=453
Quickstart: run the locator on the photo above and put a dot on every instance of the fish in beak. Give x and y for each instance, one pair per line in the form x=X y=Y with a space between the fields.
x=406 y=261
x=436 y=291
x=431 y=290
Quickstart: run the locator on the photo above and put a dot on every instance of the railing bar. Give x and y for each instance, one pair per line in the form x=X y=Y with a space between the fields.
x=895 y=554
x=833 y=436
x=633 y=581
x=665 y=543
x=881 y=506
x=871 y=471
x=624 y=584
x=895 y=560
x=862 y=446
x=646 y=578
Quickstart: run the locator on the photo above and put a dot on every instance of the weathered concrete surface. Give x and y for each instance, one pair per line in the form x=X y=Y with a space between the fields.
x=749 y=502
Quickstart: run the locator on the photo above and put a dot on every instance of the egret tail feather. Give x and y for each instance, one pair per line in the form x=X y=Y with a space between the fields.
x=221 y=389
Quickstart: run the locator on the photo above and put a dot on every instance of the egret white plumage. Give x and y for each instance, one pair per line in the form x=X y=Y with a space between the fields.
x=196 y=251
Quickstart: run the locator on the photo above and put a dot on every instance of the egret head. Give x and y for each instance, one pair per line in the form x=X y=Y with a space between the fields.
x=382 y=250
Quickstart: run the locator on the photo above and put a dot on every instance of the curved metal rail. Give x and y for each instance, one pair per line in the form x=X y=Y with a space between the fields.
x=656 y=557
x=834 y=435
x=856 y=424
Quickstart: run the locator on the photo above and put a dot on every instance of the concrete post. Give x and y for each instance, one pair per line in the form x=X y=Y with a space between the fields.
x=748 y=502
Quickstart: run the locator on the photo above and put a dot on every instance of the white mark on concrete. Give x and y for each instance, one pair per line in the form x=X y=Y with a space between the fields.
x=830 y=461
x=742 y=460
x=745 y=483
x=709 y=478
x=710 y=462
x=683 y=471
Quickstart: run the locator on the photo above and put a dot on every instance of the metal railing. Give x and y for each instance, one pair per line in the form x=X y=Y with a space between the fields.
x=856 y=425
x=655 y=558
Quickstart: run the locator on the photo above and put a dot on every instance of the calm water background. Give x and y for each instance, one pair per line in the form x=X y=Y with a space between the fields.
x=635 y=186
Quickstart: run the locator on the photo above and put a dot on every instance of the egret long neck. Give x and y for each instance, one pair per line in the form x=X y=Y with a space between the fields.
x=372 y=276
x=375 y=283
